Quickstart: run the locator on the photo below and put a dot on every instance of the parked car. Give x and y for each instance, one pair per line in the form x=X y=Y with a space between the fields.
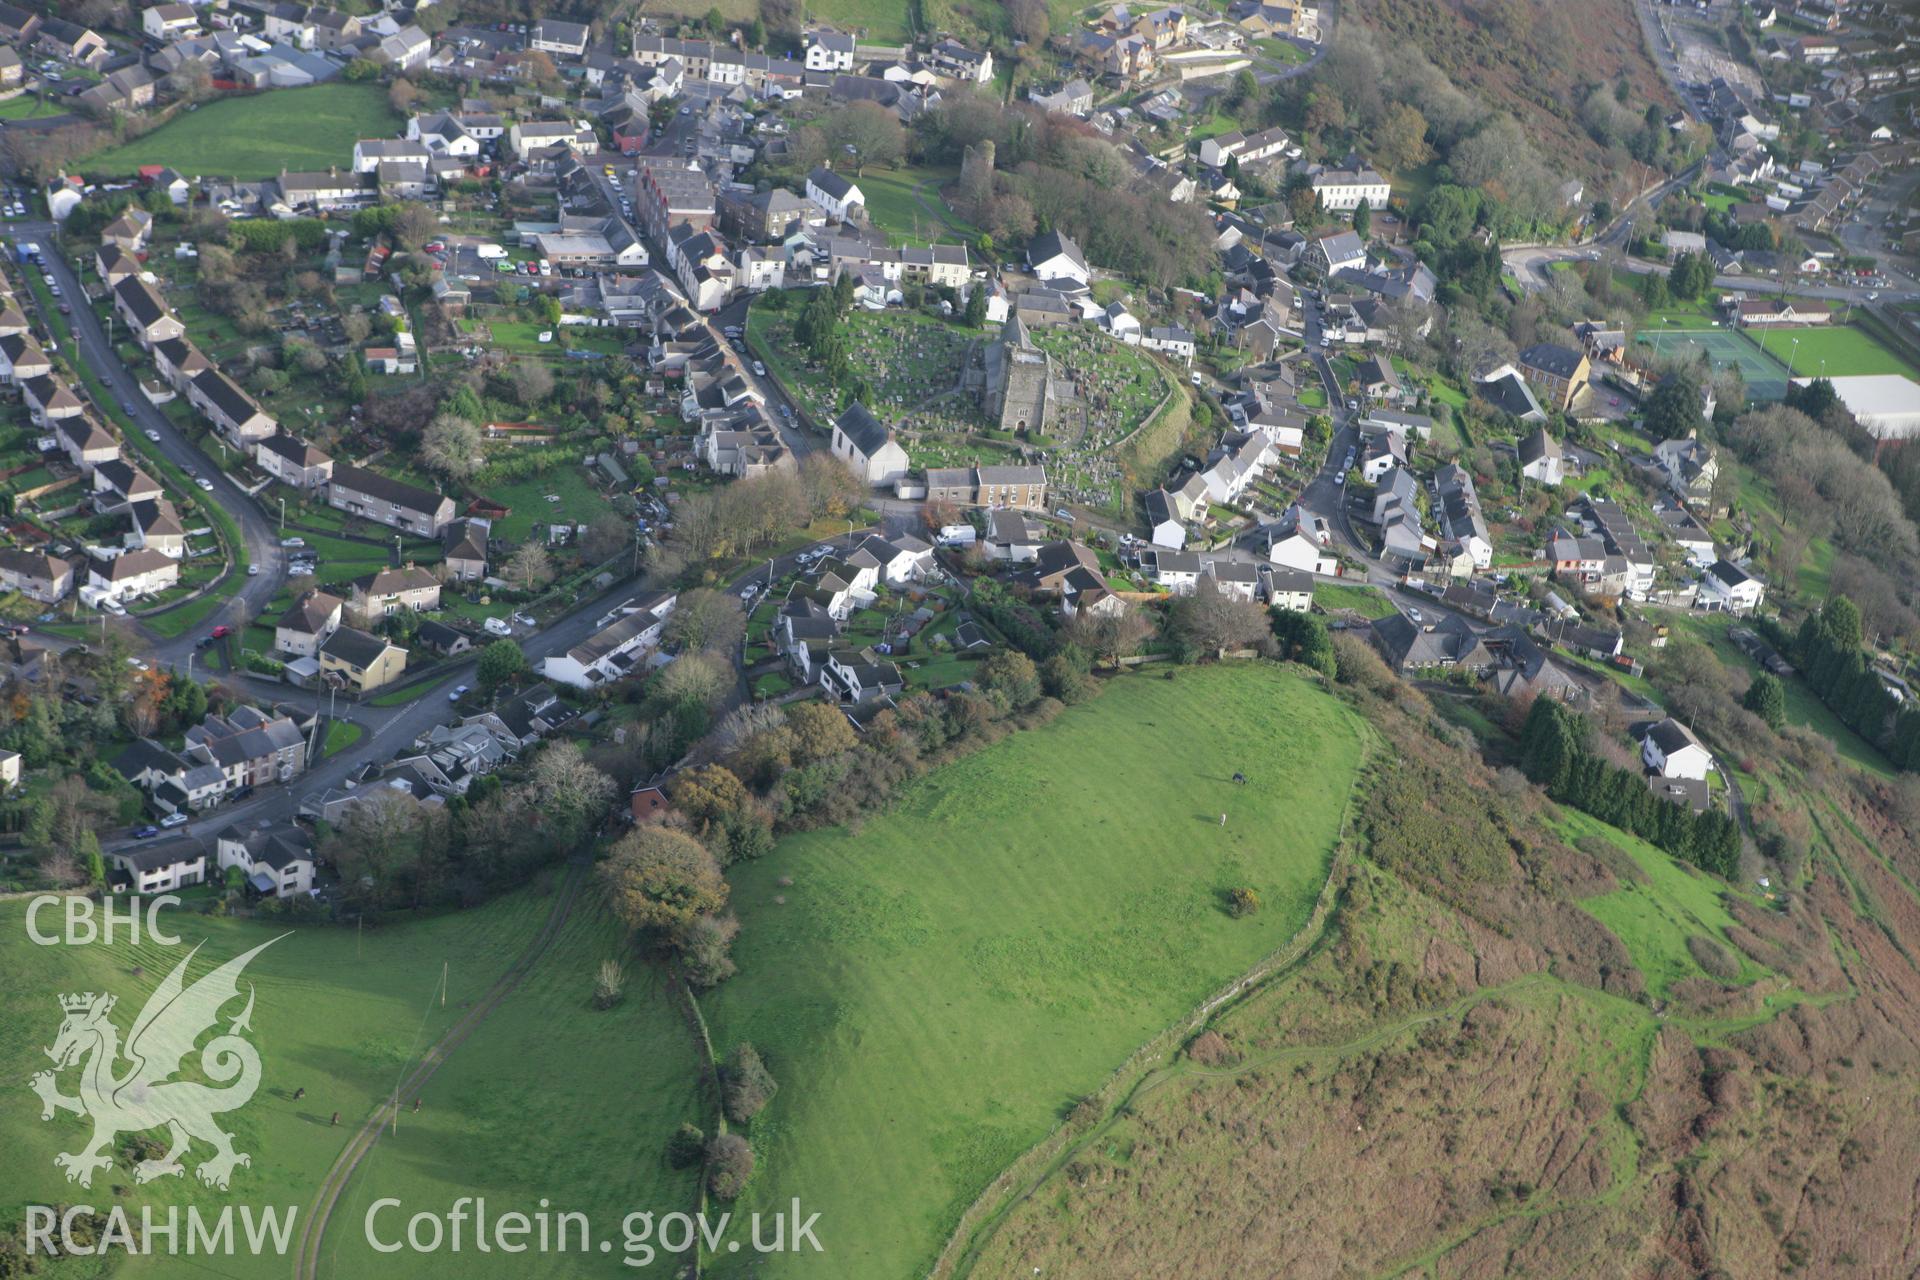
x=146 y=833
x=759 y=369
x=175 y=820
x=293 y=542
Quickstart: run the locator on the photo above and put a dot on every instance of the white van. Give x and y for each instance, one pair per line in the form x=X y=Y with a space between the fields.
x=498 y=626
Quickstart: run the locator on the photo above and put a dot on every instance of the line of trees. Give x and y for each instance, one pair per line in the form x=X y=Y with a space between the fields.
x=1831 y=653
x=1556 y=751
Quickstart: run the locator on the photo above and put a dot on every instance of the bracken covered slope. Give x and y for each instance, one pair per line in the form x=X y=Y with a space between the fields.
x=1532 y=58
x=1472 y=1077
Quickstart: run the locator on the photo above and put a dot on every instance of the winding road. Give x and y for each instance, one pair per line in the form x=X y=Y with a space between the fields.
x=132 y=407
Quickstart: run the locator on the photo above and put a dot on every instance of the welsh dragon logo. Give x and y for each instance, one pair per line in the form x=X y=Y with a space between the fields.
x=145 y=1096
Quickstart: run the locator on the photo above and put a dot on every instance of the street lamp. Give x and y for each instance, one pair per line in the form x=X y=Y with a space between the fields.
x=1792 y=352
x=283 y=515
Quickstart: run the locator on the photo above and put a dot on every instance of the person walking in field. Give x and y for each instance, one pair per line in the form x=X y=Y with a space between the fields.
x=1223 y=819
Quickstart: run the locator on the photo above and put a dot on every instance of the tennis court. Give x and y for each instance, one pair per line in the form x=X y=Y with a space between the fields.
x=1766 y=377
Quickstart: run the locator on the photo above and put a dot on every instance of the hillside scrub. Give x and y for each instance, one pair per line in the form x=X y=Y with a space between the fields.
x=1054 y=172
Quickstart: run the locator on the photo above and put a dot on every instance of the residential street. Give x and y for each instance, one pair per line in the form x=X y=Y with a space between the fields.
x=98 y=355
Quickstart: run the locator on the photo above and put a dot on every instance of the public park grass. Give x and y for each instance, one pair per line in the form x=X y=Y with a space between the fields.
x=893 y=207
x=341 y=1014
x=258 y=136
x=551 y=1099
x=935 y=991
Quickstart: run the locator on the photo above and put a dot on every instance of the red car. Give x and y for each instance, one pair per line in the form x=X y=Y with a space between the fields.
x=222 y=632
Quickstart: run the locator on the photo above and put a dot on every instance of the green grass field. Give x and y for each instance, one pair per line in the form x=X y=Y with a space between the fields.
x=580 y=501
x=523 y=338
x=550 y=1098
x=341 y=734
x=1655 y=917
x=340 y=1015
x=935 y=991
x=25 y=107
x=1365 y=601
x=257 y=137
x=176 y=622
x=892 y=206
x=1841 y=351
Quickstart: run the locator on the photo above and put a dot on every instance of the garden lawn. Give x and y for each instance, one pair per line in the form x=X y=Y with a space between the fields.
x=1365 y=601
x=551 y=1098
x=935 y=992
x=1841 y=351
x=580 y=501
x=523 y=337
x=258 y=136
x=339 y=1014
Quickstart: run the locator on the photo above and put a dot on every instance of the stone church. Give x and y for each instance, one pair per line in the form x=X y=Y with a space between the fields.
x=1015 y=381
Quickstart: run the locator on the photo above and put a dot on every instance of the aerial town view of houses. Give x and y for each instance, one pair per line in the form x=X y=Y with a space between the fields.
x=1034 y=629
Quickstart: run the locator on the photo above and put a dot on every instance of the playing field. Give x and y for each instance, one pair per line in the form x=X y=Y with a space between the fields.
x=341 y=1015
x=1833 y=351
x=259 y=135
x=549 y=1099
x=1766 y=377
x=936 y=990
